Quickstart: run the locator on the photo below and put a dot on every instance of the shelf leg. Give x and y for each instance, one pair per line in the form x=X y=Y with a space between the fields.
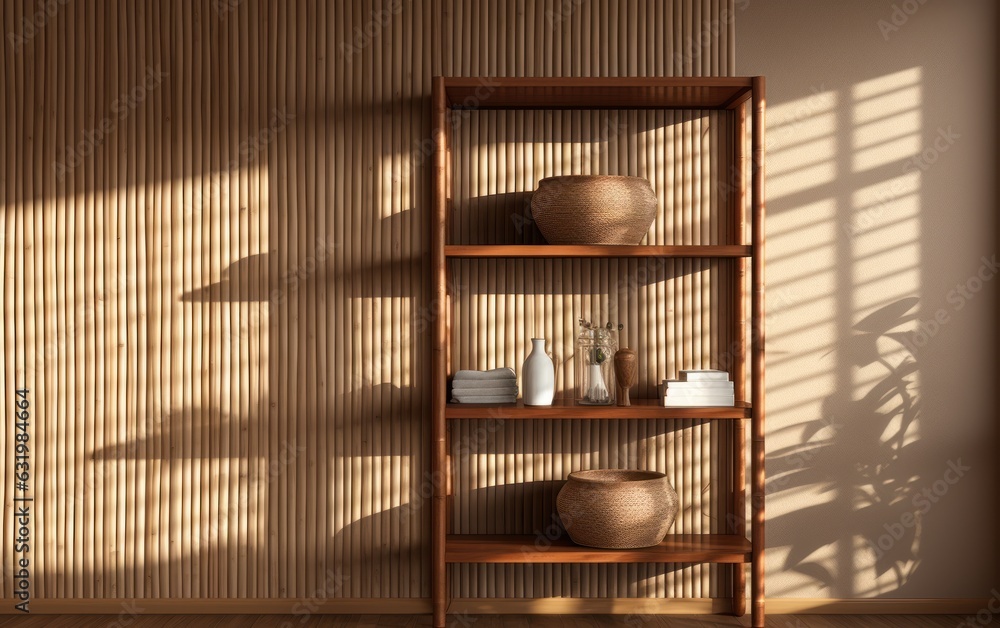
x=739 y=590
x=739 y=372
x=757 y=344
x=739 y=524
x=440 y=608
x=439 y=581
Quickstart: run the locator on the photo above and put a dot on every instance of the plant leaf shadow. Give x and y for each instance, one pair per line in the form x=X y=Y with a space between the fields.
x=883 y=481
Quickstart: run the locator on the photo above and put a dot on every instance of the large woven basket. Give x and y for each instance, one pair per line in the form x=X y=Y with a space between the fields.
x=617 y=508
x=593 y=209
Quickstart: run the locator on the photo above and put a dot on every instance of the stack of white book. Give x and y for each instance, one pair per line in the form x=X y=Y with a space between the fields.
x=699 y=387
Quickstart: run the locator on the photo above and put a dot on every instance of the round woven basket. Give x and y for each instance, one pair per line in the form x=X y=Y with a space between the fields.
x=617 y=508
x=593 y=209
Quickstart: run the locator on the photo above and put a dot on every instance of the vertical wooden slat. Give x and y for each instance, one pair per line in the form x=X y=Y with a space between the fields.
x=245 y=418
x=287 y=417
x=302 y=346
x=45 y=392
x=438 y=295
x=7 y=245
x=269 y=222
x=258 y=211
x=148 y=451
x=87 y=191
x=322 y=467
x=182 y=432
x=339 y=336
x=202 y=217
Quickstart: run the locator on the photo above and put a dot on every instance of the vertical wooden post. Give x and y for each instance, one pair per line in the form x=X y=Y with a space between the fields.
x=738 y=205
x=439 y=588
x=757 y=349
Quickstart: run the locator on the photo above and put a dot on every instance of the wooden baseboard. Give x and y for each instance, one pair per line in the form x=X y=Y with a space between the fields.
x=589 y=606
x=499 y=606
x=879 y=606
x=228 y=606
x=706 y=606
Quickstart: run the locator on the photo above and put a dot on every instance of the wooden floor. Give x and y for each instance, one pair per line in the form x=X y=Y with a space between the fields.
x=478 y=621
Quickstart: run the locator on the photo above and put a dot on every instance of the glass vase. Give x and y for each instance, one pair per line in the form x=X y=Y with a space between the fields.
x=595 y=375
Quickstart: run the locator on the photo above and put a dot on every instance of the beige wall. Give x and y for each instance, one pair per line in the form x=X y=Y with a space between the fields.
x=865 y=245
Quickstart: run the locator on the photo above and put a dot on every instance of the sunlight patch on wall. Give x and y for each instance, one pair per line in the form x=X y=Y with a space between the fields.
x=801 y=144
x=800 y=267
x=884 y=232
x=843 y=237
x=886 y=120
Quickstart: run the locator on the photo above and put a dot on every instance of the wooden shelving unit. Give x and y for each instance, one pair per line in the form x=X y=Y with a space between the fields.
x=743 y=96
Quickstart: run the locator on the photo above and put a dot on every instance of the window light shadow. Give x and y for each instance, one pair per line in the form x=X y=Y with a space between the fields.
x=852 y=460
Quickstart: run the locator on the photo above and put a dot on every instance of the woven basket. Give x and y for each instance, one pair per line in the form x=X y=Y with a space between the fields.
x=593 y=209
x=617 y=508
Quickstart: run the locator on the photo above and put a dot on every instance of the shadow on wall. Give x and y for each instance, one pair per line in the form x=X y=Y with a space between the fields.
x=887 y=482
x=266 y=277
x=877 y=372
x=254 y=486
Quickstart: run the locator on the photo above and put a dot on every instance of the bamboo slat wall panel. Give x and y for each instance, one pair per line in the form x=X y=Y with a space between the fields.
x=214 y=282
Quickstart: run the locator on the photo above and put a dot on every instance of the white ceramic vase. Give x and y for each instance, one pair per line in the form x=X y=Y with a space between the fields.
x=538 y=376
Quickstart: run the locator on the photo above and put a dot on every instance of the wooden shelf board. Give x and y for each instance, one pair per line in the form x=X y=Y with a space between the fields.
x=596 y=93
x=568 y=409
x=529 y=548
x=587 y=250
